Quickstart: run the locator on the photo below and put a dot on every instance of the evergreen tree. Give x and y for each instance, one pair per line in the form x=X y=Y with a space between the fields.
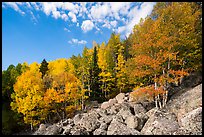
x=44 y=67
x=94 y=75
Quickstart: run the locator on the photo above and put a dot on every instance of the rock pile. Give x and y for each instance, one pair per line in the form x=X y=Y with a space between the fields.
x=120 y=116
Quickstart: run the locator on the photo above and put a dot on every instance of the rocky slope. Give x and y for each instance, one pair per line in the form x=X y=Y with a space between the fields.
x=120 y=116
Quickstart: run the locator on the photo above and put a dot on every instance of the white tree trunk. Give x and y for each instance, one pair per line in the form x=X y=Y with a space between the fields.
x=160 y=105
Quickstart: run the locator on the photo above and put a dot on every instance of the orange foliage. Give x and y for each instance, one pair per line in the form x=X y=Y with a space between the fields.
x=147 y=93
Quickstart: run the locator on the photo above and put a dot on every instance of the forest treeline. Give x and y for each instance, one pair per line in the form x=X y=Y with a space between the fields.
x=162 y=49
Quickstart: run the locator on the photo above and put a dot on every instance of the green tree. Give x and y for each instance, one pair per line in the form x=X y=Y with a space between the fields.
x=44 y=67
x=94 y=74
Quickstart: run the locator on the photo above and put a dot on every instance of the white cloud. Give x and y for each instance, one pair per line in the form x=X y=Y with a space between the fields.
x=15 y=6
x=114 y=23
x=135 y=15
x=100 y=11
x=33 y=18
x=121 y=29
x=119 y=7
x=76 y=41
x=87 y=25
x=119 y=16
x=83 y=10
x=110 y=24
x=28 y=5
x=37 y=7
x=70 y=7
x=65 y=29
x=56 y=14
x=49 y=7
x=64 y=17
x=73 y=16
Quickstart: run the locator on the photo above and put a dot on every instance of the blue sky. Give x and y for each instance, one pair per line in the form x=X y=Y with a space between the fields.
x=32 y=31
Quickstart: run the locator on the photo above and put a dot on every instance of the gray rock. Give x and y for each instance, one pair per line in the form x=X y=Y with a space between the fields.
x=192 y=121
x=112 y=110
x=117 y=118
x=132 y=121
x=182 y=131
x=142 y=118
x=78 y=131
x=112 y=101
x=100 y=132
x=90 y=122
x=138 y=108
x=77 y=118
x=53 y=130
x=101 y=112
x=120 y=98
x=131 y=99
x=41 y=130
x=105 y=105
x=160 y=123
x=103 y=126
x=117 y=128
x=68 y=121
x=106 y=119
x=148 y=105
x=67 y=130
x=151 y=112
x=126 y=98
x=125 y=112
x=127 y=94
x=185 y=100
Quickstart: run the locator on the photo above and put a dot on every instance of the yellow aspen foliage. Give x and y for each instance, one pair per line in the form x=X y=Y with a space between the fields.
x=104 y=76
x=28 y=95
x=121 y=70
x=60 y=65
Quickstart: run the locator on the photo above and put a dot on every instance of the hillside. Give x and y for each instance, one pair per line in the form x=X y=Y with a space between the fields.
x=120 y=116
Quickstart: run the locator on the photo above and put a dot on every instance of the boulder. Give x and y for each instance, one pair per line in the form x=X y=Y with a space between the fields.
x=118 y=128
x=182 y=131
x=117 y=118
x=77 y=118
x=106 y=119
x=136 y=121
x=126 y=98
x=192 y=121
x=142 y=118
x=53 y=130
x=90 y=122
x=41 y=130
x=148 y=105
x=185 y=100
x=120 y=98
x=67 y=130
x=105 y=105
x=160 y=123
x=125 y=112
x=112 y=110
x=151 y=112
x=132 y=121
x=131 y=99
x=100 y=132
x=112 y=101
x=68 y=121
x=77 y=130
x=103 y=126
x=127 y=94
x=138 y=108
x=101 y=112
